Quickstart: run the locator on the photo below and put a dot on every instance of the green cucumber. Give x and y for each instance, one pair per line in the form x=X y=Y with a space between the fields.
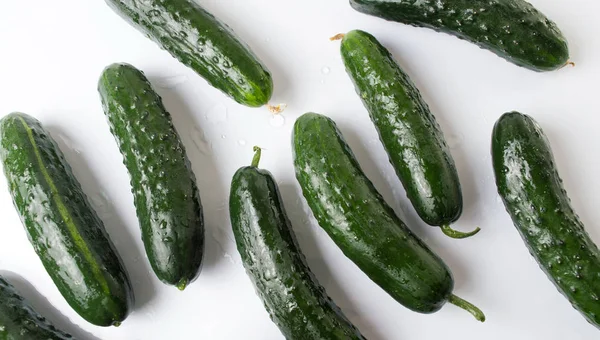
x=409 y=132
x=297 y=303
x=203 y=43
x=532 y=191
x=513 y=29
x=356 y=217
x=61 y=224
x=163 y=185
x=19 y=321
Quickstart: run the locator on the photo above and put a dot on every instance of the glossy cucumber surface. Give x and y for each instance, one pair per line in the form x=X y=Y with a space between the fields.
x=163 y=185
x=513 y=29
x=295 y=300
x=408 y=130
x=19 y=321
x=61 y=224
x=356 y=217
x=532 y=191
x=203 y=43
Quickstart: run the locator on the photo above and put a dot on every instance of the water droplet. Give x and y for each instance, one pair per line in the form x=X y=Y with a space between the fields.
x=171 y=81
x=199 y=140
x=223 y=136
x=69 y=143
x=153 y=13
x=217 y=114
x=151 y=313
x=225 y=242
x=101 y=204
x=277 y=121
x=455 y=140
x=325 y=70
x=229 y=258
x=242 y=142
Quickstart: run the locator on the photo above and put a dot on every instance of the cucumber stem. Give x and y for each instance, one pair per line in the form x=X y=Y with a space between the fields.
x=182 y=284
x=458 y=234
x=276 y=109
x=339 y=36
x=469 y=307
x=256 y=159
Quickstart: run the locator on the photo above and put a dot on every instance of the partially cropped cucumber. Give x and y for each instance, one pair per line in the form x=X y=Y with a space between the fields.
x=513 y=29
x=203 y=43
x=408 y=130
x=61 y=224
x=533 y=194
x=19 y=321
x=163 y=185
x=356 y=217
x=267 y=244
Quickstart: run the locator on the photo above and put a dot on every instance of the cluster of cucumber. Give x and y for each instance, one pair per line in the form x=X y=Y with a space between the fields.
x=79 y=256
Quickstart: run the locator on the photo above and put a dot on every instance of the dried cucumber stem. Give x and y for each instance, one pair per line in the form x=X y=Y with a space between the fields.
x=338 y=36
x=276 y=109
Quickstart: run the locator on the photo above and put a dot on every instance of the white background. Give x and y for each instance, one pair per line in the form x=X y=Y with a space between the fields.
x=54 y=51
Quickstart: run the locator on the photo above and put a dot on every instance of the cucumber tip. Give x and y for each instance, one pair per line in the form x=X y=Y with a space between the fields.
x=182 y=285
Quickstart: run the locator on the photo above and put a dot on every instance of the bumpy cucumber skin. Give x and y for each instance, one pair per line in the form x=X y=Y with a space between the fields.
x=412 y=138
x=61 y=224
x=295 y=300
x=533 y=194
x=19 y=321
x=513 y=29
x=163 y=185
x=203 y=43
x=349 y=208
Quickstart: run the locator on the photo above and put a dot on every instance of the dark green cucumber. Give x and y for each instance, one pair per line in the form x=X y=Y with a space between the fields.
x=513 y=29
x=349 y=208
x=533 y=194
x=203 y=43
x=163 y=185
x=297 y=303
x=61 y=224
x=19 y=321
x=409 y=132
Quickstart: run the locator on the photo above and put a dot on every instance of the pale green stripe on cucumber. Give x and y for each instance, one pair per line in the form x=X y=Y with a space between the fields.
x=64 y=213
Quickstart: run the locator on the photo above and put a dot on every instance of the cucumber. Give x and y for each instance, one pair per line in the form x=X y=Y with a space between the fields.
x=409 y=132
x=532 y=191
x=19 y=321
x=297 y=303
x=163 y=185
x=61 y=224
x=366 y=229
x=203 y=43
x=513 y=29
